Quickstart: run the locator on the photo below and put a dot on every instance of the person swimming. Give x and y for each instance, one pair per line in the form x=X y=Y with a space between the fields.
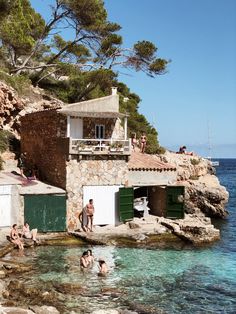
x=84 y=263
x=90 y=257
x=103 y=269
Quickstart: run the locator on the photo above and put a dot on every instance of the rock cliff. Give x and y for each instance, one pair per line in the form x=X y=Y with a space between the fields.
x=203 y=192
x=12 y=107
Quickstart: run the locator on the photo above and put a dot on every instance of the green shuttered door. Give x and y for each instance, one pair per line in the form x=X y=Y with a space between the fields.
x=126 y=204
x=175 y=202
x=46 y=212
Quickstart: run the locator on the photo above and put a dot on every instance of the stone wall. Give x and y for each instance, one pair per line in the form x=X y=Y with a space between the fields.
x=90 y=172
x=89 y=127
x=43 y=138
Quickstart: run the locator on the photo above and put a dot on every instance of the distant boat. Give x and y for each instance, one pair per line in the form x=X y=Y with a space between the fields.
x=214 y=163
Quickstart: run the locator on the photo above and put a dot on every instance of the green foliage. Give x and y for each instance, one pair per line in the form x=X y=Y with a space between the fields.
x=90 y=14
x=4 y=137
x=20 y=83
x=87 y=61
x=93 y=45
x=5 y=7
x=194 y=161
x=20 y=29
x=137 y=123
x=145 y=49
x=193 y=177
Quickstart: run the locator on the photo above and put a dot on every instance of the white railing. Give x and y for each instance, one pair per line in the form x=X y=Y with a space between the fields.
x=100 y=146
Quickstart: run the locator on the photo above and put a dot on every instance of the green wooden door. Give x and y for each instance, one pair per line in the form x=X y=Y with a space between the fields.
x=46 y=212
x=126 y=204
x=175 y=202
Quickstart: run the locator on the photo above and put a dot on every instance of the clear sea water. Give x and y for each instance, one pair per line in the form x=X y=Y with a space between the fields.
x=152 y=281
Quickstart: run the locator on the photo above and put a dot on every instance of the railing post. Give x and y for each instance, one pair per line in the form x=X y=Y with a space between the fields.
x=68 y=126
x=125 y=128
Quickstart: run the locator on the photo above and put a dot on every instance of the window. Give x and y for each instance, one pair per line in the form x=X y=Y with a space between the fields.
x=100 y=131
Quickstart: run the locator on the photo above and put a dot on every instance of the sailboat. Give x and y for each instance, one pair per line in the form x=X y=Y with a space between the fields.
x=214 y=163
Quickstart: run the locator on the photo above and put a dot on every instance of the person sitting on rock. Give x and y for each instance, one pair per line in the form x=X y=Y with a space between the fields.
x=15 y=237
x=182 y=150
x=27 y=234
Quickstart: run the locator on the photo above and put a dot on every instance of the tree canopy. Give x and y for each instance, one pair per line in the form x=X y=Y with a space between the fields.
x=30 y=43
x=82 y=67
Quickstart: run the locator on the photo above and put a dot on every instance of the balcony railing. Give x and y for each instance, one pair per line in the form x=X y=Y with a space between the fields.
x=100 y=146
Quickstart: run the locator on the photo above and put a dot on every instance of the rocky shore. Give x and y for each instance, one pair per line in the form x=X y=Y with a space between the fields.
x=205 y=198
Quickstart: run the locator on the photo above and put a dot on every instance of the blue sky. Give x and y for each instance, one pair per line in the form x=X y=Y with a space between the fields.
x=197 y=97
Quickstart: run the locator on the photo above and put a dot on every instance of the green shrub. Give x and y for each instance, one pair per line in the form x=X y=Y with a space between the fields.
x=4 y=140
x=194 y=162
x=19 y=82
x=193 y=177
x=4 y=144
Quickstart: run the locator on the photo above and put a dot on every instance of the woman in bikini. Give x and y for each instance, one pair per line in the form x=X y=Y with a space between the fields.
x=143 y=142
x=15 y=238
x=90 y=213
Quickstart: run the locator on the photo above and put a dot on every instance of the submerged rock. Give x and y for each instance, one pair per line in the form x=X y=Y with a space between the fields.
x=18 y=293
x=14 y=267
x=70 y=288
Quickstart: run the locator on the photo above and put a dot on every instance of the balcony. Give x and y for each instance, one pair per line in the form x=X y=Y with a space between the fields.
x=99 y=147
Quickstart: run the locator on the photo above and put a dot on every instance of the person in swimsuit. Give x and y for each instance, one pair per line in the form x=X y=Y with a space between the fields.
x=143 y=142
x=133 y=141
x=90 y=257
x=27 y=234
x=103 y=269
x=84 y=263
x=90 y=213
x=15 y=238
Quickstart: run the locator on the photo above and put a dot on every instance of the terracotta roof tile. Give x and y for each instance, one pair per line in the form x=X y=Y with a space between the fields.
x=146 y=162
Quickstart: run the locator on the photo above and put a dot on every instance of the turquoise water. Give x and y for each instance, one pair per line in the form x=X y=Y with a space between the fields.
x=151 y=281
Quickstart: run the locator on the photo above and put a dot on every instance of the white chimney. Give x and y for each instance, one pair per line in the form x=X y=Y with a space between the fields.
x=114 y=90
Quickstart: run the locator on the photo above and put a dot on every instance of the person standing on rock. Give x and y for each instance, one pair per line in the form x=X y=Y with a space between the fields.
x=90 y=213
x=143 y=143
x=21 y=164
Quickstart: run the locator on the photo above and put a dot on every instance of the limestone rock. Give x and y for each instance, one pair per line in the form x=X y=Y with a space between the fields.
x=44 y=309
x=133 y=225
x=111 y=311
x=203 y=192
x=193 y=229
x=12 y=107
x=2 y=274
x=14 y=310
